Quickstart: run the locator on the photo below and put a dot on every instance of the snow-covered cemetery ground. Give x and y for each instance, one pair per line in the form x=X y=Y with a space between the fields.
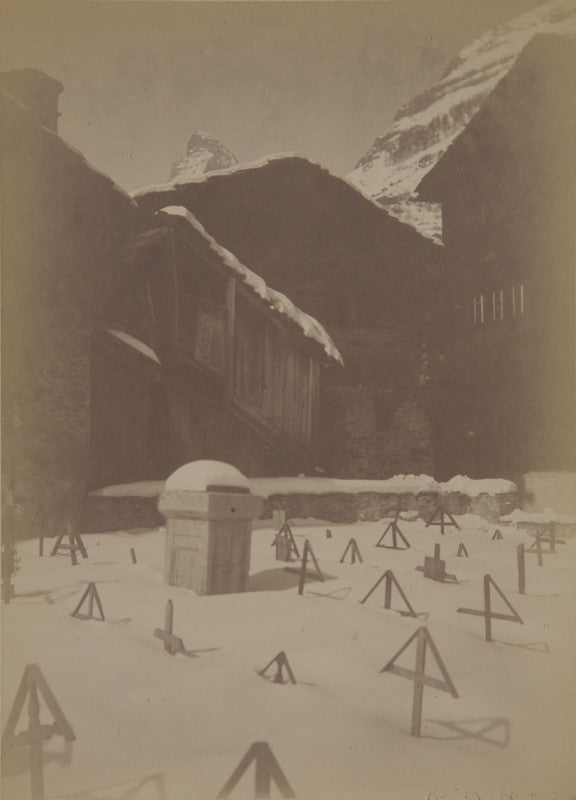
x=149 y=725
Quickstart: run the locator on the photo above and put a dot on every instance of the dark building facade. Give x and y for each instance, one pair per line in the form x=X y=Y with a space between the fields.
x=507 y=186
x=131 y=343
x=370 y=280
x=64 y=229
x=203 y=361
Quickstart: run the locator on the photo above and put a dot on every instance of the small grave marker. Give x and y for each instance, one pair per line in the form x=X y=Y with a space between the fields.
x=91 y=594
x=462 y=550
x=172 y=644
x=540 y=539
x=441 y=521
x=521 y=560
x=497 y=535
x=75 y=544
x=328 y=533
x=488 y=614
x=423 y=642
x=302 y=569
x=390 y=582
x=282 y=663
x=435 y=568
x=133 y=555
x=285 y=544
x=352 y=546
x=31 y=686
x=396 y=533
x=267 y=769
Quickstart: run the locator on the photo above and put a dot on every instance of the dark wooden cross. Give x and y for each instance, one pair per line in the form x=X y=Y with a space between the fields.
x=488 y=614
x=423 y=642
x=31 y=686
x=441 y=522
x=285 y=544
x=172 y=644
x=354 y=550
x=396 y=533
x=540 y=539
x=521 y=561
x=302 y=571
x=91 y=594
x=267 y=769
x=75 y=544
x=282 y=663
x=390 y=582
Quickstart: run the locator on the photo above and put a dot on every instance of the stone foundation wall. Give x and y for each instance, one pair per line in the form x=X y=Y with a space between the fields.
x=372 y=506
x=128 y=513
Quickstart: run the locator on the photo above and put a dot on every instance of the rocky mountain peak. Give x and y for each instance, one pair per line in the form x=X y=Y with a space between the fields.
x=203 y=154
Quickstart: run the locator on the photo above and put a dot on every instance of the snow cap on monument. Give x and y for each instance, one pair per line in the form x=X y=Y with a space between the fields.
x=201 y=476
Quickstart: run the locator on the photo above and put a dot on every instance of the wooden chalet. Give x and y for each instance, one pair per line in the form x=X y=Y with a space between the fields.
x=202 y=359
x=507 y=186
x=371 y=280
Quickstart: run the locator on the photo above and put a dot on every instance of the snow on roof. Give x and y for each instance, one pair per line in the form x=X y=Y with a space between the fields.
x=197 y=476
x=178 y=183
x=136 y=344
x=309 y=326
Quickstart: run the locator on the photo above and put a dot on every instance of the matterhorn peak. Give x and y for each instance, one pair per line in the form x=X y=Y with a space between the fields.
x=203 y=154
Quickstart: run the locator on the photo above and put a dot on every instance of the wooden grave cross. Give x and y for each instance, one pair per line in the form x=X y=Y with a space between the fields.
x=285 y=544
x=75 y=543
x=539 y=539
x=91 y=594
x=442 y=521
x=488 y=614
x=396 y=532
x=552 y=540
x=390 y=582
x=302 y=569
x=267 y=770
x=521 y=561
x=497 y=535
x=352 y=546
x=462 y=551
x=281 y=662
x=32 y=685
x=435 y=568
x=423 y=642
x=172 y=644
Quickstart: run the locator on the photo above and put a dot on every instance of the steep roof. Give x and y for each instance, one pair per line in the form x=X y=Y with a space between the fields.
x=275 y=301
x=266 y=170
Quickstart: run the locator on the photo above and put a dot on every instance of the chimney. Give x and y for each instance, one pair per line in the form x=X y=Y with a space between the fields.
x=37 y=91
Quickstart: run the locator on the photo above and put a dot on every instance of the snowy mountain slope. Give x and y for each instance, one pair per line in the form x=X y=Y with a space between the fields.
x=424 y=127
x=203 y=154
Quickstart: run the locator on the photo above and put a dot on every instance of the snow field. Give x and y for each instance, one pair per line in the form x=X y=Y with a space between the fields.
x=149 y=725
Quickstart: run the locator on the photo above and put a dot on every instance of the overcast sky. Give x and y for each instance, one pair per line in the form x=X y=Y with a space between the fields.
x=319 y=78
